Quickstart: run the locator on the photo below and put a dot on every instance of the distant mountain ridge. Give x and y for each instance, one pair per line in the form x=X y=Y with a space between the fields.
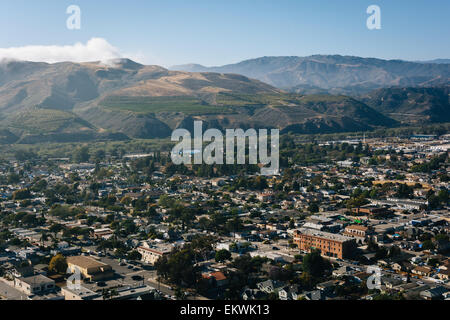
x=438 y=61
x=335 y=74
x=121 y=99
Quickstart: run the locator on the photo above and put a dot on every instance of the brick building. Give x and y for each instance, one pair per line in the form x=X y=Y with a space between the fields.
x=371 y=210
x=329 y=244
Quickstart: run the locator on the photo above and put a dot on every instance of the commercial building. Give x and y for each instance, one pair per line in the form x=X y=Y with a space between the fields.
x=90 y=268
x=329 y=244
x=38 y=285
x=151 y=254
x=370 y=210
x=80 y=293
x=120 y=293
x=356 y=231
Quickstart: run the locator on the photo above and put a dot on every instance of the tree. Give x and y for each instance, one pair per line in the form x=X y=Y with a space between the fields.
x=134 y=255
x=178 y=267
x=23 y=155
x=58 y=264
x=166 y=201
x=443 y=196
x=394 y=251
x=99 y=155
x=306 y=280
x=223 y=255
x=313 y=208
x=428 y=245
x=314 y=264
x=280 y=274
x=81 y=154
x=21 y=194
x=109 y=294
x=234 y=224
x=55 y=228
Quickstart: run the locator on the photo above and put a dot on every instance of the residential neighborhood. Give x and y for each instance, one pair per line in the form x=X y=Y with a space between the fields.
x=105 y=226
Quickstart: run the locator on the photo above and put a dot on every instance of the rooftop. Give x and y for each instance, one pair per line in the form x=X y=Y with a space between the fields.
x=326 y=235
x=36 y=280
x=85 y=262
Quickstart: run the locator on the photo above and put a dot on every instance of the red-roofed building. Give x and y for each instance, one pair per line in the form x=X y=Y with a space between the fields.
x=216 y=277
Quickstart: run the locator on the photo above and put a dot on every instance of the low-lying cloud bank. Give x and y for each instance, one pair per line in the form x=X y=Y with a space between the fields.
x=96 y=49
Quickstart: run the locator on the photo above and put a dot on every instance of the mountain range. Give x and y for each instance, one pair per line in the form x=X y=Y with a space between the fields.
x=122 y=99
x=335 y=74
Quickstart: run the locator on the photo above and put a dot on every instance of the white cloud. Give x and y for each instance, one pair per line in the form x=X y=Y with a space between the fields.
x=96 y=49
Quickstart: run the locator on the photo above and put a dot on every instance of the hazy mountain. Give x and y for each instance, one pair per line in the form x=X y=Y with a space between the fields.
x=438 y=61
x=119 y=99
x=334 y=74
x=412 y=105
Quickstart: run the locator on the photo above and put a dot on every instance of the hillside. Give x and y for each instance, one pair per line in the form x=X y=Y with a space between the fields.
x=412 y=105
x=69 y=101
x=335 y=74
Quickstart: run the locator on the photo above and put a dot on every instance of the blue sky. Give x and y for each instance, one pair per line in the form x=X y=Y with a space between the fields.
x=217 y=32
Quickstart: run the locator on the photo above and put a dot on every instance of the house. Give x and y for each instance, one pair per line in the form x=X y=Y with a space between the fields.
x=271 y=255
x=218 y=182
x=342 y=271
x=443 y=274
x=291 y=292
x=314 y=295
x=327 y=287
x=422 y=270
x=22 y=272
x=391 y=282
x=216 y=278
x=264 y=197
x=270 y=286
x=103 y=233
x=396 y=267
x=252 y=294
x=434 y=293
